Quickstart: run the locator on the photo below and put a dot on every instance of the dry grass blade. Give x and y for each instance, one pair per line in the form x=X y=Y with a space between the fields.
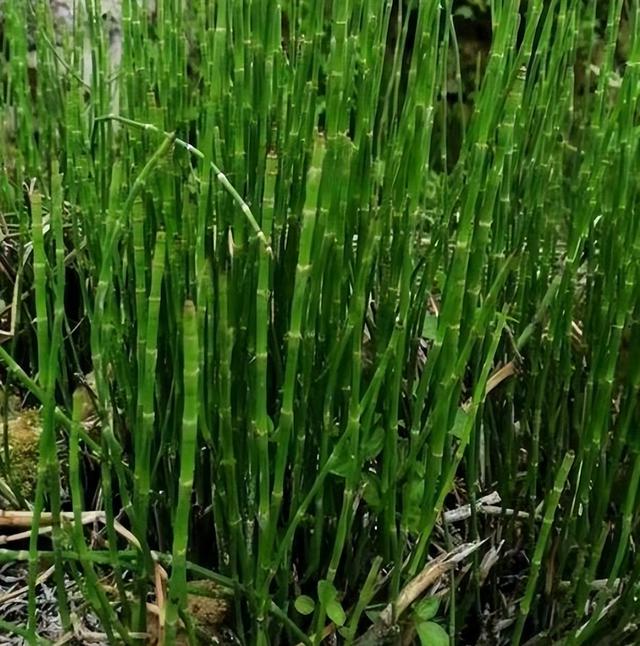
x=430 y=575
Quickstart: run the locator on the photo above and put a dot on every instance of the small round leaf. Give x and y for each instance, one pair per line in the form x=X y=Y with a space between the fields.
x=304 y=604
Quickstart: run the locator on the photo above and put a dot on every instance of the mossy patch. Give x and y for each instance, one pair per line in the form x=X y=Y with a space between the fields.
x=24 y=430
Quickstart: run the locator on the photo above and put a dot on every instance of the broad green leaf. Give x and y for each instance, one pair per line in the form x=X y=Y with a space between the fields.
x=336 y=613
x=430 y=326
x=304 y=604
x=373 y=444
x=459 y=424
x=341 y=463
x=432 y=634
x=371 y=491
x=413 y=493
x=427 y=608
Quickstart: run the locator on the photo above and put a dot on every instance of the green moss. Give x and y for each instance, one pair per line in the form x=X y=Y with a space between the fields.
x=24 y=434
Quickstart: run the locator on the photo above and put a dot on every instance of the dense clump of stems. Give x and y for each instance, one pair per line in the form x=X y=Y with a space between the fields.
x=324 y=295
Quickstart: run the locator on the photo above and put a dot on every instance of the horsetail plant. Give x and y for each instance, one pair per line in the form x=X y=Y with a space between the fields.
x=339 y=271
x=178 y=581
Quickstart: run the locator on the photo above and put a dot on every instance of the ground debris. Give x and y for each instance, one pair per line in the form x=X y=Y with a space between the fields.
x=14 y=606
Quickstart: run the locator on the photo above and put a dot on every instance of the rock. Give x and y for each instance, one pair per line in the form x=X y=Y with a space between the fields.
x=210 y=609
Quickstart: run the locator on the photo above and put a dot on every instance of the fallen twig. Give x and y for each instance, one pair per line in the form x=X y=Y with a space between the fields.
x=484 y=505
x=464 y=512
x=10 y=518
